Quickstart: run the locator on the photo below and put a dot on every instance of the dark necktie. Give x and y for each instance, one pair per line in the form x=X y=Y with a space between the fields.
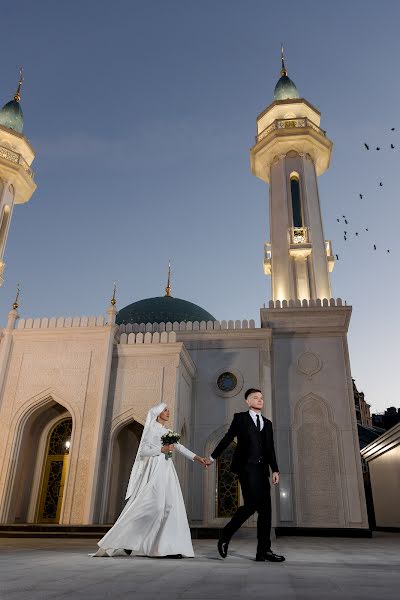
x=258 y=423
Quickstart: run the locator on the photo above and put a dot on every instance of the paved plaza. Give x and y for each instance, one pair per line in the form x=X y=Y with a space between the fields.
x=316 y=568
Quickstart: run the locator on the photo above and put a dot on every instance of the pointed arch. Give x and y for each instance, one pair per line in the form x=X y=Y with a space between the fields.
x=124 y=429
x=317 y=454
x=26 y=432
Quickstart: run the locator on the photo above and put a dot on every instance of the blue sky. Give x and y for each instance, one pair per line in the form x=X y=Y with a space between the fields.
x=142 y=115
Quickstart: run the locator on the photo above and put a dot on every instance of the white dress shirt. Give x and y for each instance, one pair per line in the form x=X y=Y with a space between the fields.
x=253 y=415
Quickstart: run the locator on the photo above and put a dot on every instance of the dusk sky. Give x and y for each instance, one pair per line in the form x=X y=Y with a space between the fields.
x=142 y=115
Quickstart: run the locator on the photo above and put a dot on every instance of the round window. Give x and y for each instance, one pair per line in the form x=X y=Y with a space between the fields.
x=227 y=382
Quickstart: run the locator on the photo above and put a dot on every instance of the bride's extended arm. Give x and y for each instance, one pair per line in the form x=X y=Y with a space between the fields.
x=189 y=454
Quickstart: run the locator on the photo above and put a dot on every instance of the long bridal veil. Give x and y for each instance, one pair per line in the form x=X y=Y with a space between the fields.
x=138 y=465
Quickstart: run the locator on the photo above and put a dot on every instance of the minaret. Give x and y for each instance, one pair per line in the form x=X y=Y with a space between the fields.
x=16 y=176
x=291 y=150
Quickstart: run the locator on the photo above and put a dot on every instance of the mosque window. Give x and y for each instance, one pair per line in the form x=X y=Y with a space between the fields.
x=296 y=201
x=228 y=496
x=3 y=226
x=227 y=382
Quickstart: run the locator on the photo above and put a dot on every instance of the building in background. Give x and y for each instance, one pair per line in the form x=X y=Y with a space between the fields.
x=77 y=389
x=387 y=419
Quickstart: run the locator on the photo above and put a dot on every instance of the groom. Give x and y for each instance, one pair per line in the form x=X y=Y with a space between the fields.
x=253 y=456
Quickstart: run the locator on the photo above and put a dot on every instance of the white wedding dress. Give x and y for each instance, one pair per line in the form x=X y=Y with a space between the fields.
x=154 y=521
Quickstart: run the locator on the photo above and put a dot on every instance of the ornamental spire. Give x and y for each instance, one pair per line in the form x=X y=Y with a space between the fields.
x=283 y=69
x=17 y=95
x=114 y=299
x=15 y=305
x=168 y=288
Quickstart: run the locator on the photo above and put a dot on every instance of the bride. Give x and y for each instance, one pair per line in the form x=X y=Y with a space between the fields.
x=153 y=521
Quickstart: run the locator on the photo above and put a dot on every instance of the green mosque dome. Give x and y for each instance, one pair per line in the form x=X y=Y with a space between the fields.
x=162 y=309
x=11 y=116
x=285 y=89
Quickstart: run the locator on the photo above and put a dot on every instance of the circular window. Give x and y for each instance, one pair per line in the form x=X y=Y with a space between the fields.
x=227 y=382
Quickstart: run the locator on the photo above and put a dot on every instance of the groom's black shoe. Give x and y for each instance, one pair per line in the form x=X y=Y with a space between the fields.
x=269 y=556
x=223 y=548
x=128 y=552
x=174 y=556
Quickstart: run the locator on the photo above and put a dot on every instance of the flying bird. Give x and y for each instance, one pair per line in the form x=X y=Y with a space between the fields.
x=393 y=128
x=343 y=216
x=392 y=147
x=366 y=145
x=338 y=220
x=381 y=184
x=346 y=221
x=337 y=256
x=345 y=238
x=387 y=250
x=377 y=148
x=356 y=233
x=366 y=229
x=361 y=196
x=374 y=247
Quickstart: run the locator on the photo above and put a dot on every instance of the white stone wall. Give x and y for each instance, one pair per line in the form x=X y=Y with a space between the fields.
x=50 y=368
x=316 y=433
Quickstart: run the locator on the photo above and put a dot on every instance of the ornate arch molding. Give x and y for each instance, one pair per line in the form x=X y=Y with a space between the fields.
x=318 y=457
x=298 y=411
x=34 y=405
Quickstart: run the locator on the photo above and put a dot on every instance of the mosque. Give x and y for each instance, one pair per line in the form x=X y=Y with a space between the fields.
x=74 y=391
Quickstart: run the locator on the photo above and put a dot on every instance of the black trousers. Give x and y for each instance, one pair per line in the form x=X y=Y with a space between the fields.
x=254 y=482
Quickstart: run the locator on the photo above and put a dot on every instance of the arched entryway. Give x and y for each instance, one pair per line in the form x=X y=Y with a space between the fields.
x=126 y=443
x=27 y=474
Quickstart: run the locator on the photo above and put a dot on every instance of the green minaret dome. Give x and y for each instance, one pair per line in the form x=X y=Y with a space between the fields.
x=162 y=309
x=285 y=89
x=11 y=116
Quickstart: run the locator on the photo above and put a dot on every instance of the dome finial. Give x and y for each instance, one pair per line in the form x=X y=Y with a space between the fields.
x=114 y=299
x=17 y=95
x=168 y=288
x=15 y=305
x=283 y=69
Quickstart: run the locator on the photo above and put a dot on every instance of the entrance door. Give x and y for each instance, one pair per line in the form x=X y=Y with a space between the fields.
x=55 y=472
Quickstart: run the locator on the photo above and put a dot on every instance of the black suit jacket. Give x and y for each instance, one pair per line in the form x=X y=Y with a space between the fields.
x=241 y=430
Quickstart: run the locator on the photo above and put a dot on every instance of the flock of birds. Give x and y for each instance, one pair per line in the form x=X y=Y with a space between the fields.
x=345 y=220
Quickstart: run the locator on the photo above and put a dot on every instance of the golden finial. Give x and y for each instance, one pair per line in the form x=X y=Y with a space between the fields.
x=113 y=299
x=283 y=69
x=168 y=288
x=15 y=305
x=17 y=96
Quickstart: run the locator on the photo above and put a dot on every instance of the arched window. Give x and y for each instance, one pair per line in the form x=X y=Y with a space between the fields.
x=296 y=200
x=3 y=227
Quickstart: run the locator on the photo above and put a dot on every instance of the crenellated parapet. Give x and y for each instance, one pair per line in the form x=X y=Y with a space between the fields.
x=317 y=303
x=61 y=322
x=186 y=326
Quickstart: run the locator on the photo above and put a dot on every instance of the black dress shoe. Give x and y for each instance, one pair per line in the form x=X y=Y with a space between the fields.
x=269 y=556
x=128 y=552
x=223 y=548
x=174 y=556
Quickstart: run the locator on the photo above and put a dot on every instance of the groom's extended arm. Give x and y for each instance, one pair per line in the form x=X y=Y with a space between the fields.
x=227 y=439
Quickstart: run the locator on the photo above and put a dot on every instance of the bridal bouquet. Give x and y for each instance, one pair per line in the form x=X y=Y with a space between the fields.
x=170 y=438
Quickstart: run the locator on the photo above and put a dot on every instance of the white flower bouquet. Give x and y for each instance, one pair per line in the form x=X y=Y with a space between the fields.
x=170 y=438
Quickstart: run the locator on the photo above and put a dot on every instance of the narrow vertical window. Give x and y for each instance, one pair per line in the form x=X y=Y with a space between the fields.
x=296 y=201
